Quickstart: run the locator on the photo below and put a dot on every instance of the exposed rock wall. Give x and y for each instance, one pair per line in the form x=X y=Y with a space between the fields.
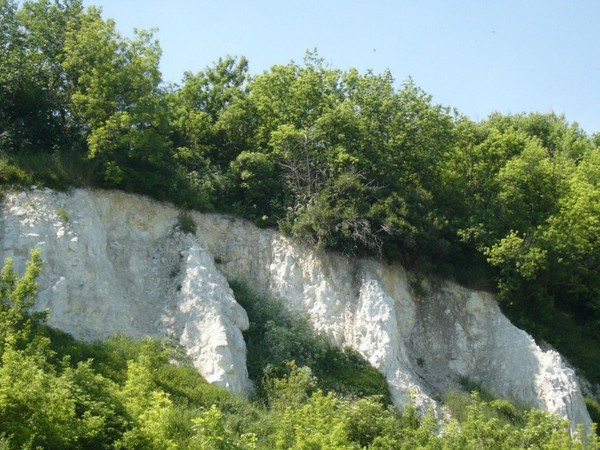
x=117 y=263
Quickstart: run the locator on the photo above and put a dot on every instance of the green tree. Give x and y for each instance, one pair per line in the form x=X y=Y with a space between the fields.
x=293 y=95
x=203 y=130
x=211 y=433
x=116 y=95
x=256 y=177
x=571 y=241
x=17 y=296
x=35 y=91
x=148 y=407
x=43 y=404
x=474 y=168
x=307 y=420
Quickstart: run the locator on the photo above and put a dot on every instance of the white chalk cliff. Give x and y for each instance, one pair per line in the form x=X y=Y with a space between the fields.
x=117 y=263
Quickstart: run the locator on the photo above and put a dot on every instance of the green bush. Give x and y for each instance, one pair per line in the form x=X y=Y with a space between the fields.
x=459 y=403
x=12 y=175
x=276 y=337
x=60 y=169
x=62 y=214
x=186 y=223
x=593 y=408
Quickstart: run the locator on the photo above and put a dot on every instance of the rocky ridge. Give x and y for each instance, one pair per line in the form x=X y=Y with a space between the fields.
x=118 y=263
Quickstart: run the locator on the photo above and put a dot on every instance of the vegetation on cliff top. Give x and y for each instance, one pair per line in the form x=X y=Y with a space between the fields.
x=340 y=159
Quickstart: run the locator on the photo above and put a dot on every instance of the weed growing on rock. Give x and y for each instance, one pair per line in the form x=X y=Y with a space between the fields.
x=62 y=214
x=186 y=223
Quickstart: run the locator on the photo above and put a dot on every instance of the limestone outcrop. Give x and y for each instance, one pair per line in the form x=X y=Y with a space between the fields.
x=118 y=263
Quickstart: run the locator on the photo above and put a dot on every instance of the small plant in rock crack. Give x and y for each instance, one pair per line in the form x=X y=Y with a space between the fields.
x=186 y=223
x=62 y=214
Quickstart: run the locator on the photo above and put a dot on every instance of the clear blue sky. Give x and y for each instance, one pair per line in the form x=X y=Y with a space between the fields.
x=478 y=56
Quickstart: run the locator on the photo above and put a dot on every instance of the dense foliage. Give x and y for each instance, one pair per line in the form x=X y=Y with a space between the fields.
x=276 y=337
x=58 y=393
x=339 y=159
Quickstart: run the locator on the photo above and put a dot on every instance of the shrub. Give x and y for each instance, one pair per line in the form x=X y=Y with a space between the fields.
x=276 y=337
x=186 y=223
x=62 y=214
x=593 y=408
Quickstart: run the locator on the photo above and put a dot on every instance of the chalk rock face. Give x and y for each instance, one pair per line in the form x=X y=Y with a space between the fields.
x=116 y=263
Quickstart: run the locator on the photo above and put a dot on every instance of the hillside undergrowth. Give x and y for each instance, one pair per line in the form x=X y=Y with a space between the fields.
x=59 y=393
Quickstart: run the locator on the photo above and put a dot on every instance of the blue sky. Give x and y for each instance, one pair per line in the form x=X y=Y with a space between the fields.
x=476 y=56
